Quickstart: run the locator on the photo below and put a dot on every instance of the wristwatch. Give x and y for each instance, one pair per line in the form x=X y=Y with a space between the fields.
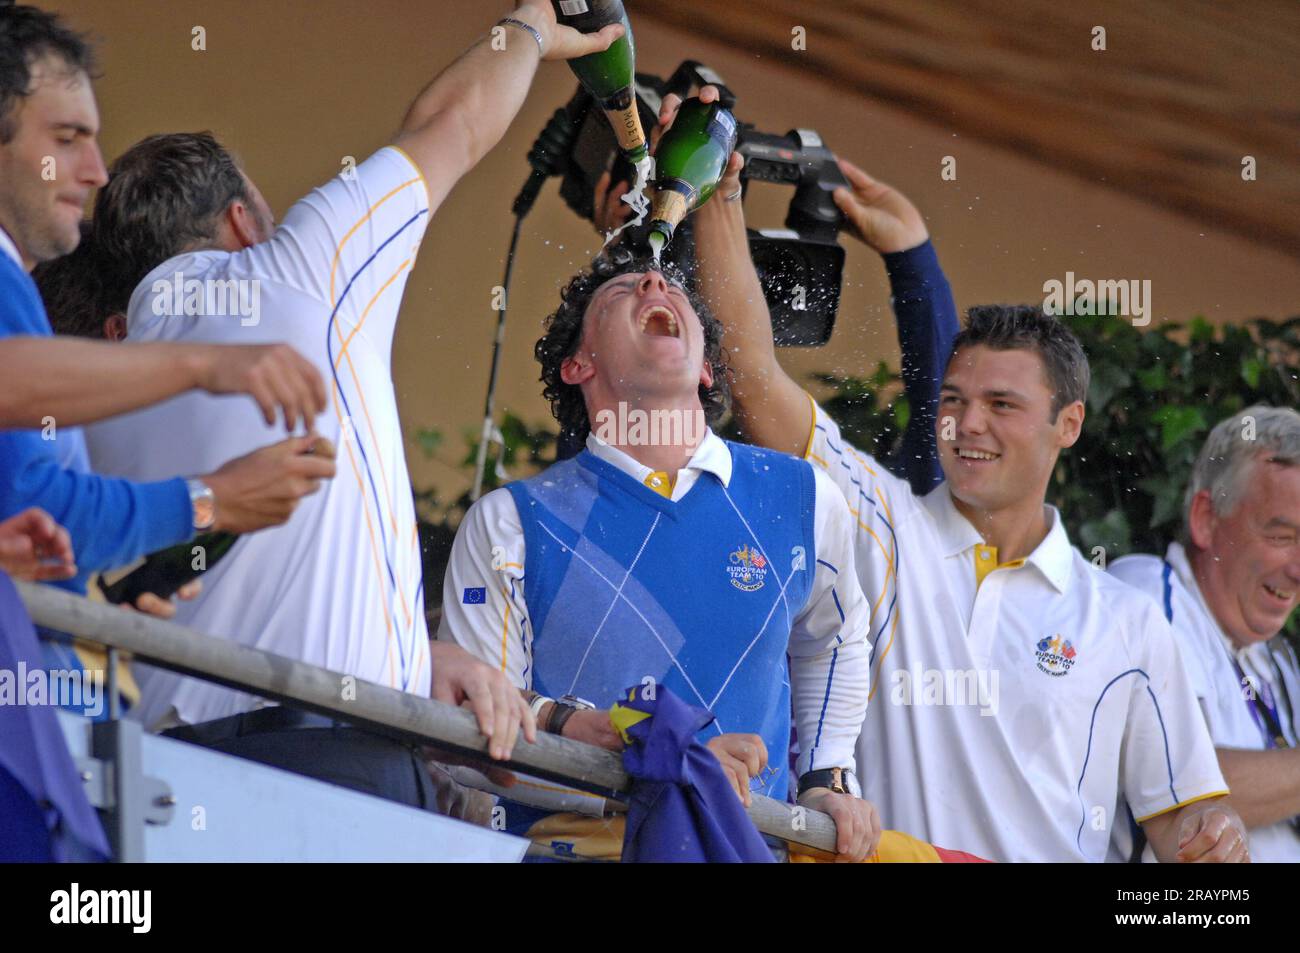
x=563 y=709
x=203 y=505
x=839 y=780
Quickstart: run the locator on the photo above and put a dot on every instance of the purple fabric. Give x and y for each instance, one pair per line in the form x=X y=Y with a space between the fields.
x=44 y=813
x=682 y=808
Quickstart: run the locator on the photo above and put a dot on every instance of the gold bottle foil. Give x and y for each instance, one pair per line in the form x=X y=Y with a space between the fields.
x=626 y=122
x=669 y=206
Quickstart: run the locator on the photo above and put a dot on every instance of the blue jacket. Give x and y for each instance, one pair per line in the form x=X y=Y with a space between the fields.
x=112 y=522
x=44 y=814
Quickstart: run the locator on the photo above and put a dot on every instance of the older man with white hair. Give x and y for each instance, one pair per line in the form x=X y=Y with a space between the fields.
x=1228 y=587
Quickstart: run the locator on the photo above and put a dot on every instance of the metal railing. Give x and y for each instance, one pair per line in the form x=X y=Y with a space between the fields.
x=378 y=708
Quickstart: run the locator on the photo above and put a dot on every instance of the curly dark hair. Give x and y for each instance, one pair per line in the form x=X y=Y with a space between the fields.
x=564 y=334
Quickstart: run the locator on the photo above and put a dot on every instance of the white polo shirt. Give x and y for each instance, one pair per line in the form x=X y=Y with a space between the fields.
x=340 y=584
x=490 y=552
x=1208 y=655
x=1007 y=717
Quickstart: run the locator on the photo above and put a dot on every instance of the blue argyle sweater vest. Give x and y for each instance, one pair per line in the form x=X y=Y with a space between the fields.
x=626 y=588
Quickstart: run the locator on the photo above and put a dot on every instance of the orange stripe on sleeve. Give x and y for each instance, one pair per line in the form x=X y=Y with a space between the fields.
x=505 y=628
x=812 y=430
x=338 y=252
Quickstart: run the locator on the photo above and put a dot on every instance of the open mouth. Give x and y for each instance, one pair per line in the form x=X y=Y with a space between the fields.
x=1282 y=594
x=965 y=453
x=659 y=321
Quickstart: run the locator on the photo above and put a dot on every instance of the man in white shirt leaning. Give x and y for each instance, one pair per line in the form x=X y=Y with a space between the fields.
x=196 y=256
x=1228 y=588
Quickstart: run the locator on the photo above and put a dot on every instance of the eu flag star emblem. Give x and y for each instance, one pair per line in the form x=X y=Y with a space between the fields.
x=474 y=595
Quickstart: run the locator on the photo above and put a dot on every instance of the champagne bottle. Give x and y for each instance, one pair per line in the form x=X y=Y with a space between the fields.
x=691 y=159
x=165 y=571
x=609 y=76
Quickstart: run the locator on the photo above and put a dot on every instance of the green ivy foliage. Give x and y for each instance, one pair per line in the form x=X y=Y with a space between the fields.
x=1155 y=396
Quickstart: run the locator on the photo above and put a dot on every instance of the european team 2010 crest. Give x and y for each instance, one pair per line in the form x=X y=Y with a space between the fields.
x=747 y=569
x=1055 y=655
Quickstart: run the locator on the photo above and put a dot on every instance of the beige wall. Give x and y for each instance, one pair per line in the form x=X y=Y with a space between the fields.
x=296 y=85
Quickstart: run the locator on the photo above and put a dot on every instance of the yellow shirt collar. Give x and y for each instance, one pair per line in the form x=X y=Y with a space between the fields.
x=986 y=560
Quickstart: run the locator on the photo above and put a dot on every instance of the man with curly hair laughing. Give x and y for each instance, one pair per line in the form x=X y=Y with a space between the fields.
x=663 y=555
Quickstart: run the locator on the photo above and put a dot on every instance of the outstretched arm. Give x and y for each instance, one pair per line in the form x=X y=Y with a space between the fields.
x=885 y=220
x=771 y=407
x=464 y=113
x=77 y=382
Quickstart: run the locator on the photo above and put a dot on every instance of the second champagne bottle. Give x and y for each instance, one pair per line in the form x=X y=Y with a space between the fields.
x=689 y=163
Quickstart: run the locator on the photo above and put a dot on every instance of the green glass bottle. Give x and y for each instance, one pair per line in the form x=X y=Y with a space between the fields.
x=165 y=571
x=689 y=163
x=609 y=76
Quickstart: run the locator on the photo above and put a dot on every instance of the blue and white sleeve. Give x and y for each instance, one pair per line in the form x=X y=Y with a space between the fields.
x=483 y=607
x=1168 y=759
x=829 y=644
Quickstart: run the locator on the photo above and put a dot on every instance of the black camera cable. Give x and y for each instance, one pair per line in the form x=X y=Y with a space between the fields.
x=549 y=156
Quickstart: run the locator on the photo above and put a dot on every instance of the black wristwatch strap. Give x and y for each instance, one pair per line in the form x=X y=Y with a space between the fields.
x=560 y=713
x=832 y=778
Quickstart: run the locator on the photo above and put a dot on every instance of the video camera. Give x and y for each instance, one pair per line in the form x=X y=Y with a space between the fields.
x=799 y=267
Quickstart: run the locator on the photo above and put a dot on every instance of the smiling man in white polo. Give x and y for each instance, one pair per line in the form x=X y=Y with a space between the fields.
x=977 y=581
x=1047 y=691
